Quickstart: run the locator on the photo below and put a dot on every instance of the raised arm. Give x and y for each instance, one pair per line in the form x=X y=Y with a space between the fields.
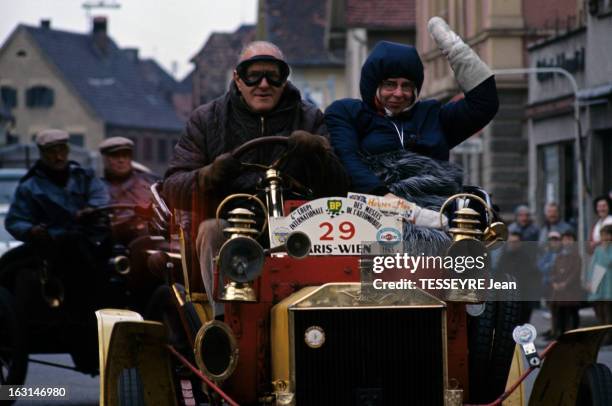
x=463 y=118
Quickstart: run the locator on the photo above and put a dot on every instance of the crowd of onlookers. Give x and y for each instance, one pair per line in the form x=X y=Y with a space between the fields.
x=548 y=265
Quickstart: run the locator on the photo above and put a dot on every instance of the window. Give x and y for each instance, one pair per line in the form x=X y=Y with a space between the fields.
x=147 y=149
x=557 y=178
x=599 y=8
x=162 y=150
x=77 y=140
x=8 y=96
x=39 y=96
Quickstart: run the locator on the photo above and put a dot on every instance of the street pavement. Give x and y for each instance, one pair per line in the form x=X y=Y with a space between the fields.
x=541 y=321
x=84 y=389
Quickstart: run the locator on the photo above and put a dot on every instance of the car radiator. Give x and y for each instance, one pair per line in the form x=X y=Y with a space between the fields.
x=367 y=353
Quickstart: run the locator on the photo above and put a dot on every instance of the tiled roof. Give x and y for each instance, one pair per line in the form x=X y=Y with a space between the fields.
x=298 y=28
x=153 y=73
x=111 y=83
x=382 y=14
x=218 y=56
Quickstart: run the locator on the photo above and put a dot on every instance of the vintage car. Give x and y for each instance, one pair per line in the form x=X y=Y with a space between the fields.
x=303 y=324
x=34 y=318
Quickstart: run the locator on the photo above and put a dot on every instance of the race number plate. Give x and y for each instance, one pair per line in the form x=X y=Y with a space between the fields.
x=337 y=226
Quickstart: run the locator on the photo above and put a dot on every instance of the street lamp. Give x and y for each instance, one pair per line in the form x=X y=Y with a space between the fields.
x=579 y=157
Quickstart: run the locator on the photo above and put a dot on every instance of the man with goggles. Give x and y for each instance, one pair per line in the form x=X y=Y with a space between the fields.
x=260 y=102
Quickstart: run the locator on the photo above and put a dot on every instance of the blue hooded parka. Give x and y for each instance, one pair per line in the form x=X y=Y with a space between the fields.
x=357 y=127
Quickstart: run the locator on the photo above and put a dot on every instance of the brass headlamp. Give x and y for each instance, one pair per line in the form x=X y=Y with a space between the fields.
x=466 y=223
x=241 y=258
x=468 y=237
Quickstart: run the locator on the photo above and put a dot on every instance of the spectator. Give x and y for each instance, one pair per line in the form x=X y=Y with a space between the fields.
x=552 y=222
x=546 y=262
x=566 y=288
x=523 y=224
x=599 y=277
x=516 y=259
x=603 y=207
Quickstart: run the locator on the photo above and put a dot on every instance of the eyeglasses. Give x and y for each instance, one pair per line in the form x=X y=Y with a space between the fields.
x=254 y=77
x=391 y=85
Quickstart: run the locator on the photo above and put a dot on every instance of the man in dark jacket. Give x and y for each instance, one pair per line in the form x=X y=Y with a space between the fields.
x=260 y=102
x=523 y=224
x=390 y=117
x=54 y=194
x=52 y=213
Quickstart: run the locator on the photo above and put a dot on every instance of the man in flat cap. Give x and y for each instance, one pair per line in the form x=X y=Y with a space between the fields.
x=54 y=194
x=125 y=183
x=52 y=214
x=260 y=102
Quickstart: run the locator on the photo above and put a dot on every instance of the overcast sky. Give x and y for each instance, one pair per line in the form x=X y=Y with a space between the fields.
x=167 y=30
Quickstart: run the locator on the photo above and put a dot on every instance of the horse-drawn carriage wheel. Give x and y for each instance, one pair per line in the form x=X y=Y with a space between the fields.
x=131 y=391
x=13 y=354
x=596 y=386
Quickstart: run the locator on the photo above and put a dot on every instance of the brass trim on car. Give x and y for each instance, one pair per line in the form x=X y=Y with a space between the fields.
x=234 y=352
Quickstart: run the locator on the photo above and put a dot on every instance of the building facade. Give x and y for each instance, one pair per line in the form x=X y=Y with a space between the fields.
x=354 y=27
x=554 y=156
x=499 y=31
x=84 y=84
x=299 y=30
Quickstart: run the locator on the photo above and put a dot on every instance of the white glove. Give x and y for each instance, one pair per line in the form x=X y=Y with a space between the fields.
x=470 y=70
x=429 y=218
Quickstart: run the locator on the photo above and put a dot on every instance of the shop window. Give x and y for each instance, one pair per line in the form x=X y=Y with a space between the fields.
x=9 y=97
x=39 y=96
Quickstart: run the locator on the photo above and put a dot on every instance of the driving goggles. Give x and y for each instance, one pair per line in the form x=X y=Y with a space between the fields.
x=253 y=78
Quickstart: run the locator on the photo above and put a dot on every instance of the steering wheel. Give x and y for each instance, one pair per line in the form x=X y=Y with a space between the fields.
x=261 y=142
x=270 y=141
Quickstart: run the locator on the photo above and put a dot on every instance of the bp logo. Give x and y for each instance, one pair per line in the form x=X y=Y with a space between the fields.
x=280 y=234
x=388 y=235
x=334 y=208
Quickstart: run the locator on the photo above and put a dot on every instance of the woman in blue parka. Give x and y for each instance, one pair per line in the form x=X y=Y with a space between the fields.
x=390 y=117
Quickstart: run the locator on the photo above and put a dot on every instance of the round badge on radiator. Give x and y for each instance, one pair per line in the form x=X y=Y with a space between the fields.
x=314 y=337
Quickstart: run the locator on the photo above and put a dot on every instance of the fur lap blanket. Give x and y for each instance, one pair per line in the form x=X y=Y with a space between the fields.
x=421 y=180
